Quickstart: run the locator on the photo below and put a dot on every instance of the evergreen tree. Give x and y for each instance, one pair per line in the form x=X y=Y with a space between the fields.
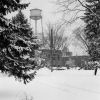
x=21 y=21
x=13 y=45
x=8 y=6
x=27 y=33
x=92 y=29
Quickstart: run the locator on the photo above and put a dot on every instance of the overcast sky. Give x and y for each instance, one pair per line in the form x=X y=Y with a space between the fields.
x=48 y=8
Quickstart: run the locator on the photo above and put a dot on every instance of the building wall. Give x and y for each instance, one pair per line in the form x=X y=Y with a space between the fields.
x=75 y=61
x=58 y=60
x=55 y=57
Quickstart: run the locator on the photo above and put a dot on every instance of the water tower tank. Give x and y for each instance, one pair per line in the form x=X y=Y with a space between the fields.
x=35 y=14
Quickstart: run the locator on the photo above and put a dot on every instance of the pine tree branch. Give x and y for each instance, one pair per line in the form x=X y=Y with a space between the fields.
x=96 y=15
x=8 y=23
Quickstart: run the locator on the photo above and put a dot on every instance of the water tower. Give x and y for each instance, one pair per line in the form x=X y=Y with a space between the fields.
x=36 y=14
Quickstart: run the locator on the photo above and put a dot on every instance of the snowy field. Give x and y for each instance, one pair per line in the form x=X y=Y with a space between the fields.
x=56 y=85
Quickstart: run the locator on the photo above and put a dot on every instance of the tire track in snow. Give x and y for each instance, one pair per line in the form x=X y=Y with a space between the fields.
x=58 y=87
x=69 y=88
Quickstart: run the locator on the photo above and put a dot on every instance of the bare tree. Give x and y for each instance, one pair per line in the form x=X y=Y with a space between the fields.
x=59 y=39
x=80 y=38
x=73 y=10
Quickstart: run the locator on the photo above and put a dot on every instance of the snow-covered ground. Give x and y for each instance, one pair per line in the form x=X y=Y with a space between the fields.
x=56 y=85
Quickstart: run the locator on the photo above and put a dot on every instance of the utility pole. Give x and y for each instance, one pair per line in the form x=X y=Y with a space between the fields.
x=51 y=49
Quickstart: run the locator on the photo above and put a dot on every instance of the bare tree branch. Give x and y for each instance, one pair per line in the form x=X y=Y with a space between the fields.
x=75 y=7
x=72 y=10
x=79 y=36
x=89 y=9
x=59 y=40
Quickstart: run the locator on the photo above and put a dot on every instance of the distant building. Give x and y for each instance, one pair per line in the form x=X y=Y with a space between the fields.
x=55 y=56
x=66 y=53
x=75 y=61
x=60 y=58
